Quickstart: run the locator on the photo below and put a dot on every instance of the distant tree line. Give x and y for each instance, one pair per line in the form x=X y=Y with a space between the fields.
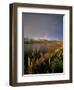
x=27 y=40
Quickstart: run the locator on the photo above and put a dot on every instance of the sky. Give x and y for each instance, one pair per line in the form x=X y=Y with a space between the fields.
x=44 y=26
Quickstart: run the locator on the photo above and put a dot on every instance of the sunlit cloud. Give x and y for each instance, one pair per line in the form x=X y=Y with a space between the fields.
x=48 y=27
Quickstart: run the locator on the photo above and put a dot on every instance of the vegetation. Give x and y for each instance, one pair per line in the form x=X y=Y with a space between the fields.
x=44 y=58
x=56 y=62
x=27 y=40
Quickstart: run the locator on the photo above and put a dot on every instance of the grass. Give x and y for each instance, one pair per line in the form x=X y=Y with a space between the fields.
x=46 y=58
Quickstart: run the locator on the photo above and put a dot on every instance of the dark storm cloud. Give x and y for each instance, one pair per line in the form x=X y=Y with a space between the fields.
x=43 y=25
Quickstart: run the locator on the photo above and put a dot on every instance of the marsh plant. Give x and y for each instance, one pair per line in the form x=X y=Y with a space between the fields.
x=39 y=58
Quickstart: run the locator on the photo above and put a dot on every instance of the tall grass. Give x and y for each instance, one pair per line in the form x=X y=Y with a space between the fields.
x=40 y=61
